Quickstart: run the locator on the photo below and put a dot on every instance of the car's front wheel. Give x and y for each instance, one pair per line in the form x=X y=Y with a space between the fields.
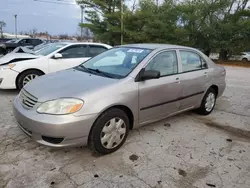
x=109 y=132
x=208 y=102
x=26 y=77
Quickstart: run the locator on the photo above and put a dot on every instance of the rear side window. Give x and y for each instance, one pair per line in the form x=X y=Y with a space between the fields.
x=191 y=61
x=95 y=50
x=75 y=51
x=36 y=41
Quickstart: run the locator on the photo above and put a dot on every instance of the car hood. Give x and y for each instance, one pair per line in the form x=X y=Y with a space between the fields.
x=8 y=58
x=67 y=83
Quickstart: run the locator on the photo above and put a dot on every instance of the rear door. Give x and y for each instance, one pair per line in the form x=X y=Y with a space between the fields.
x=158 y=98
x=194 y=78
x=95 y=50
x=71 y=56
x=36 y=42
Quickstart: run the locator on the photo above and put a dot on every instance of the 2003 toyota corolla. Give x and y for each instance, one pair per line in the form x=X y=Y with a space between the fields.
x=98 y=102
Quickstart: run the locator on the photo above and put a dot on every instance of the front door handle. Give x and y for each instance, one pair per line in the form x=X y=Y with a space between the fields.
x=177 y=80
x=206 y=74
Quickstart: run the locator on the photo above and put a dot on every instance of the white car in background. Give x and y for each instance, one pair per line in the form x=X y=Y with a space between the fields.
x=54 y=57
x=245 y=56
x=20 y=54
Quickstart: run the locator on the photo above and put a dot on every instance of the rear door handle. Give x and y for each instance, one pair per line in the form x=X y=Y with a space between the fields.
x=177 y=80
x=206 y=74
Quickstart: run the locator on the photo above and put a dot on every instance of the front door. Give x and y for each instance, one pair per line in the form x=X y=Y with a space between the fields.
x=71 y=57
x=194 y=79
x=158 y=97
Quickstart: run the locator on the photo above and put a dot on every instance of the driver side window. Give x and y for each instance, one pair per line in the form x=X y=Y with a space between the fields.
x=165 y=62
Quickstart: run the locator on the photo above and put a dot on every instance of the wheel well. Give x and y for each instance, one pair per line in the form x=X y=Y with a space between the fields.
x=26 y=71
x=124 y=109
x=216 y=89
x=128 y=113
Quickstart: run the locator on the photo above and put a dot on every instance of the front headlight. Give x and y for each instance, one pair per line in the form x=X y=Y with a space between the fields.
x=60 y=106
x=9 y=66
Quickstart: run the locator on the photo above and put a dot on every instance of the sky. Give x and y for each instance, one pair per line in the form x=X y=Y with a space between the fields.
x=54 y=18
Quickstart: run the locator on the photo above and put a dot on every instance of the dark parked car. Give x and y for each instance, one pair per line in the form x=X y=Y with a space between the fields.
x=12 y=44
x=3 y=40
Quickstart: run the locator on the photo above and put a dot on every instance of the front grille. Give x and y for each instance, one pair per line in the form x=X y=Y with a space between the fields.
x=27 y=100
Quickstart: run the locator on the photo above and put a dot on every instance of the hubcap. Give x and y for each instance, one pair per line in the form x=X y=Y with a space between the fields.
x=113 y=133
x=210 y=102
x=28 y=78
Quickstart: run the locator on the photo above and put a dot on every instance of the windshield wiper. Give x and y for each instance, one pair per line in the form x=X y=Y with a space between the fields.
x=101 y=72
x=83 y=68
x=95 y=71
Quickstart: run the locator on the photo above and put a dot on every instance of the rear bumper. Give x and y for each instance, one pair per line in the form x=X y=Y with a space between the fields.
x=53 y=130
x=8 y=79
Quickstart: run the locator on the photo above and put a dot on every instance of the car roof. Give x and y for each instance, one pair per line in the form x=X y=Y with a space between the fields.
x=87 y=43
x=73 y=43
x=153 y=46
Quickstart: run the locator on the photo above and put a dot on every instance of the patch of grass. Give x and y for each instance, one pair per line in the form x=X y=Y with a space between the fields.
x=233 y=63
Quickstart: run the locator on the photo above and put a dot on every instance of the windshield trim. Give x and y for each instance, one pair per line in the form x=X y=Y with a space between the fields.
x=116 y=76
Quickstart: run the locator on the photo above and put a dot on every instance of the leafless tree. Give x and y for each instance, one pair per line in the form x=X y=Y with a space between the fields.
x=33 y=32
x=2 y=25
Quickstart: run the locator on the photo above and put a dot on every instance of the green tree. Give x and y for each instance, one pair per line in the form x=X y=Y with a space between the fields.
x=103 y=19
x=219 y=26
x=216 y=25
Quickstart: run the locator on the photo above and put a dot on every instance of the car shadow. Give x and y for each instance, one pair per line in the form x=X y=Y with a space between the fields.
x=9 y=92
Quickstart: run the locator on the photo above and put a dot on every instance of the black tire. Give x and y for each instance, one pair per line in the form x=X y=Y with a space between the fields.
x=8 y=50
x=202 y=110
x=3 y=51
x=94 y=142
x=245 y=60
x=21 y=77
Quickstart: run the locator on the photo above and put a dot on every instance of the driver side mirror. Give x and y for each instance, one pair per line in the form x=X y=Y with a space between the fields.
x=149 y=74
x=57 y=56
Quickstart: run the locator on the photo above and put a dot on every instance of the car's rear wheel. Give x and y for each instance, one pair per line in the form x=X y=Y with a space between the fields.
x=208 y=102
x=3 y=51
x=109 y=132
x=26 y=77
x=8 y=50
x=245 y=60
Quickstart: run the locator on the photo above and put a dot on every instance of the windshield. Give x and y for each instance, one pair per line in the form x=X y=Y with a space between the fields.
x=117 y=62
x=49 y=49
x=39 y=47
x=13 y=41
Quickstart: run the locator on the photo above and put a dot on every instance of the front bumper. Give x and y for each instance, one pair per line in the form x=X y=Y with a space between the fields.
x=53 y=130
x=8 y=79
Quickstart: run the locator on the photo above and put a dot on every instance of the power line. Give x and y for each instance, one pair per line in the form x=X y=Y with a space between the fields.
x=57 y=2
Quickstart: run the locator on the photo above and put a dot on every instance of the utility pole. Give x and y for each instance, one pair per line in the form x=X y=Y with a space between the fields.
x=121 y=21
x=15 y=25
x=82 y=7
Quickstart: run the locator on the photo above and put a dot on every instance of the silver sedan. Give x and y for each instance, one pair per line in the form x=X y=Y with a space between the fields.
x=98 y=102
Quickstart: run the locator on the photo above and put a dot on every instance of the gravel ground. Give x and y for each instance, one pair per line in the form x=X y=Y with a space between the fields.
x=183 y=151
